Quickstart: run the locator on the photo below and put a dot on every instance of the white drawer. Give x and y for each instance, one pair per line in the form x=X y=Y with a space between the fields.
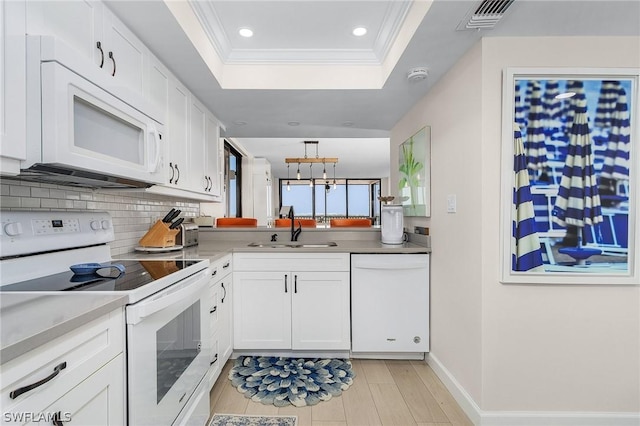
x=293 y=262
x=82 y=352
x=222 y=267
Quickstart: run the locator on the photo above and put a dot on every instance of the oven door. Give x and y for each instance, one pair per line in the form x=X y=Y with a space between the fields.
x=168 y=350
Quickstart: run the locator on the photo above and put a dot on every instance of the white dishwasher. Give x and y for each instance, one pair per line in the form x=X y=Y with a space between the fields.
x=389 y=303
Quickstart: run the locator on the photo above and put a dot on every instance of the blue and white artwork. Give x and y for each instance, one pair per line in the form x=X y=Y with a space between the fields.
x=577 y=138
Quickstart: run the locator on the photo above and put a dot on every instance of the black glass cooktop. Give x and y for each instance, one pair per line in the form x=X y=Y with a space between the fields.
x=137 y=274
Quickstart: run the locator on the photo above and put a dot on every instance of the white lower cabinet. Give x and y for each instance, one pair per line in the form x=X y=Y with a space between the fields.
x=220 y=316
x=77 y=378
x=303 y=307
x=98 y=400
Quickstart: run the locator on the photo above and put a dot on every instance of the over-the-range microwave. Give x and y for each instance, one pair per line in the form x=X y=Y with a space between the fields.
x=83 y=129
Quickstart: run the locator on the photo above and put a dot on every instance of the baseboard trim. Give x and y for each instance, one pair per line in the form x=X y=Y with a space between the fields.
x=462 y=397
x=524 y=418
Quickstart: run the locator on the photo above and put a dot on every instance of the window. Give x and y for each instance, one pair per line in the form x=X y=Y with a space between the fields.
x=348 y=198
x=232 y=181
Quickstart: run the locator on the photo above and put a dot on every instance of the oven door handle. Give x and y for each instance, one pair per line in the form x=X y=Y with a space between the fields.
x=195 y=286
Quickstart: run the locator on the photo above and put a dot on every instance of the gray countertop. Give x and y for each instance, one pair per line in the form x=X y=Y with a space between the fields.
x=214 y=249
x=30 y=320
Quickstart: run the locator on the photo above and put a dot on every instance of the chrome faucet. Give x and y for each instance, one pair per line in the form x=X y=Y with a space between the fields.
x=295 y=233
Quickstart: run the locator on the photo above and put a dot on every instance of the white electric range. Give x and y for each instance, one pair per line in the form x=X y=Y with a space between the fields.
x=167 y=326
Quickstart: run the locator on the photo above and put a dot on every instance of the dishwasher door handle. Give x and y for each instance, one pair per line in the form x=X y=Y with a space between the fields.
x=396 y=266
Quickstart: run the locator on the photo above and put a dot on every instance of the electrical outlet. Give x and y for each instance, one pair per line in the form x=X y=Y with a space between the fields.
x=451 y=203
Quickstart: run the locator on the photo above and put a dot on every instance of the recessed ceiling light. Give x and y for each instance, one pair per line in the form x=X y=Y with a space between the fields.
x=359 y=31
x=245 y=32
x=239 y=122
x=347 y=123
x=293 y=123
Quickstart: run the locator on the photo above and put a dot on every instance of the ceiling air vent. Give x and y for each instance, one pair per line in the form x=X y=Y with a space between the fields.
x=485 y=15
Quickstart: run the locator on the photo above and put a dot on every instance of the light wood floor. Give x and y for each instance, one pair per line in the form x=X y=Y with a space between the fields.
x=399 y=393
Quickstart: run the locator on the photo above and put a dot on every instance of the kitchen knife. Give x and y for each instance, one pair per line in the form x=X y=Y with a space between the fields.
x=177 y=223
x=167 y=218
x=175 y=214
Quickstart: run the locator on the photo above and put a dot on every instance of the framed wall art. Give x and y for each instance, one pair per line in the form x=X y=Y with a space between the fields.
x=415 y=174
x=570 y=159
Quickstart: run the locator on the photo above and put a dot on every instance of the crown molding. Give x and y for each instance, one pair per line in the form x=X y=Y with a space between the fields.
x=306 y=56
x=213 y=28
x=394 y=19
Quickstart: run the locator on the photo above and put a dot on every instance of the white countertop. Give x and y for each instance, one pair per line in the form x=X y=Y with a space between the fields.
x=29 y=320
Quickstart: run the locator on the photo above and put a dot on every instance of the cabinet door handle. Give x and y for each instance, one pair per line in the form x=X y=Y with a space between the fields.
x=114 y=64
x=215 y=308
x=56 y=370
x=178 y=171
x=215 y=359
x=173 y=172
x=285 y=283
x=56 y=419
x=295 y=283
x=99 y=46
x=226 y=265
x=224 y=295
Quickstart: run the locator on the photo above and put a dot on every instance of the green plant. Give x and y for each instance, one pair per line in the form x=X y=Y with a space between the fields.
x=410 y=169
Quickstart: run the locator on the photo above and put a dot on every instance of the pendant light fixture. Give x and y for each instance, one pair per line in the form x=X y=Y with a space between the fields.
x=312 y=160
x=288 y=181
x=335 y=185
x=311 y=175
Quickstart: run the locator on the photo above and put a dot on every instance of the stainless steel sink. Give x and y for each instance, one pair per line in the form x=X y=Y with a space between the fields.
x=272 y=245
x=312 y=245
x=294 y=245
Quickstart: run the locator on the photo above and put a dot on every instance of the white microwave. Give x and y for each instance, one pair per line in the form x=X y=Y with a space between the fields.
x=79 y=132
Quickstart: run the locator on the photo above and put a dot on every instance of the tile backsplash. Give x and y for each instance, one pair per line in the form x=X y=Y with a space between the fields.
x=133 y=212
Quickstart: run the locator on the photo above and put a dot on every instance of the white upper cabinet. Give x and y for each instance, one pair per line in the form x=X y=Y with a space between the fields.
x=191 y=155
x=178 y=142
x=213 y=157
x=197 y=160
x=126 y=56
x=156 y=89
x=12 y=86
x=77 y=23
x=95 y=33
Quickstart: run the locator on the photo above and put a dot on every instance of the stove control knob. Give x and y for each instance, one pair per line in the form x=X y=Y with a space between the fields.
x=95 y=225
x=13 y=228
x=106 y=224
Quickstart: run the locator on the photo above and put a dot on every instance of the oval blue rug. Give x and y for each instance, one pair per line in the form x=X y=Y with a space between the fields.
x=297 y=381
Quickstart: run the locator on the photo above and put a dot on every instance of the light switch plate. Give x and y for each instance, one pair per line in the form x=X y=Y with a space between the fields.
x=451 y=203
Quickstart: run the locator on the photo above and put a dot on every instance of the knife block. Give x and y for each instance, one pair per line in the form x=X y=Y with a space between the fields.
x=159 y=235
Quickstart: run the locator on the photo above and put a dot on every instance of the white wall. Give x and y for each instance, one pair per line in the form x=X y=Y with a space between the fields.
x=515 y=348
x=451 y=110
x=564 y=348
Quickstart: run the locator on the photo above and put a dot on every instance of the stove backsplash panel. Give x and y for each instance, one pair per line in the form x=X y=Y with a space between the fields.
x=133 y=212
